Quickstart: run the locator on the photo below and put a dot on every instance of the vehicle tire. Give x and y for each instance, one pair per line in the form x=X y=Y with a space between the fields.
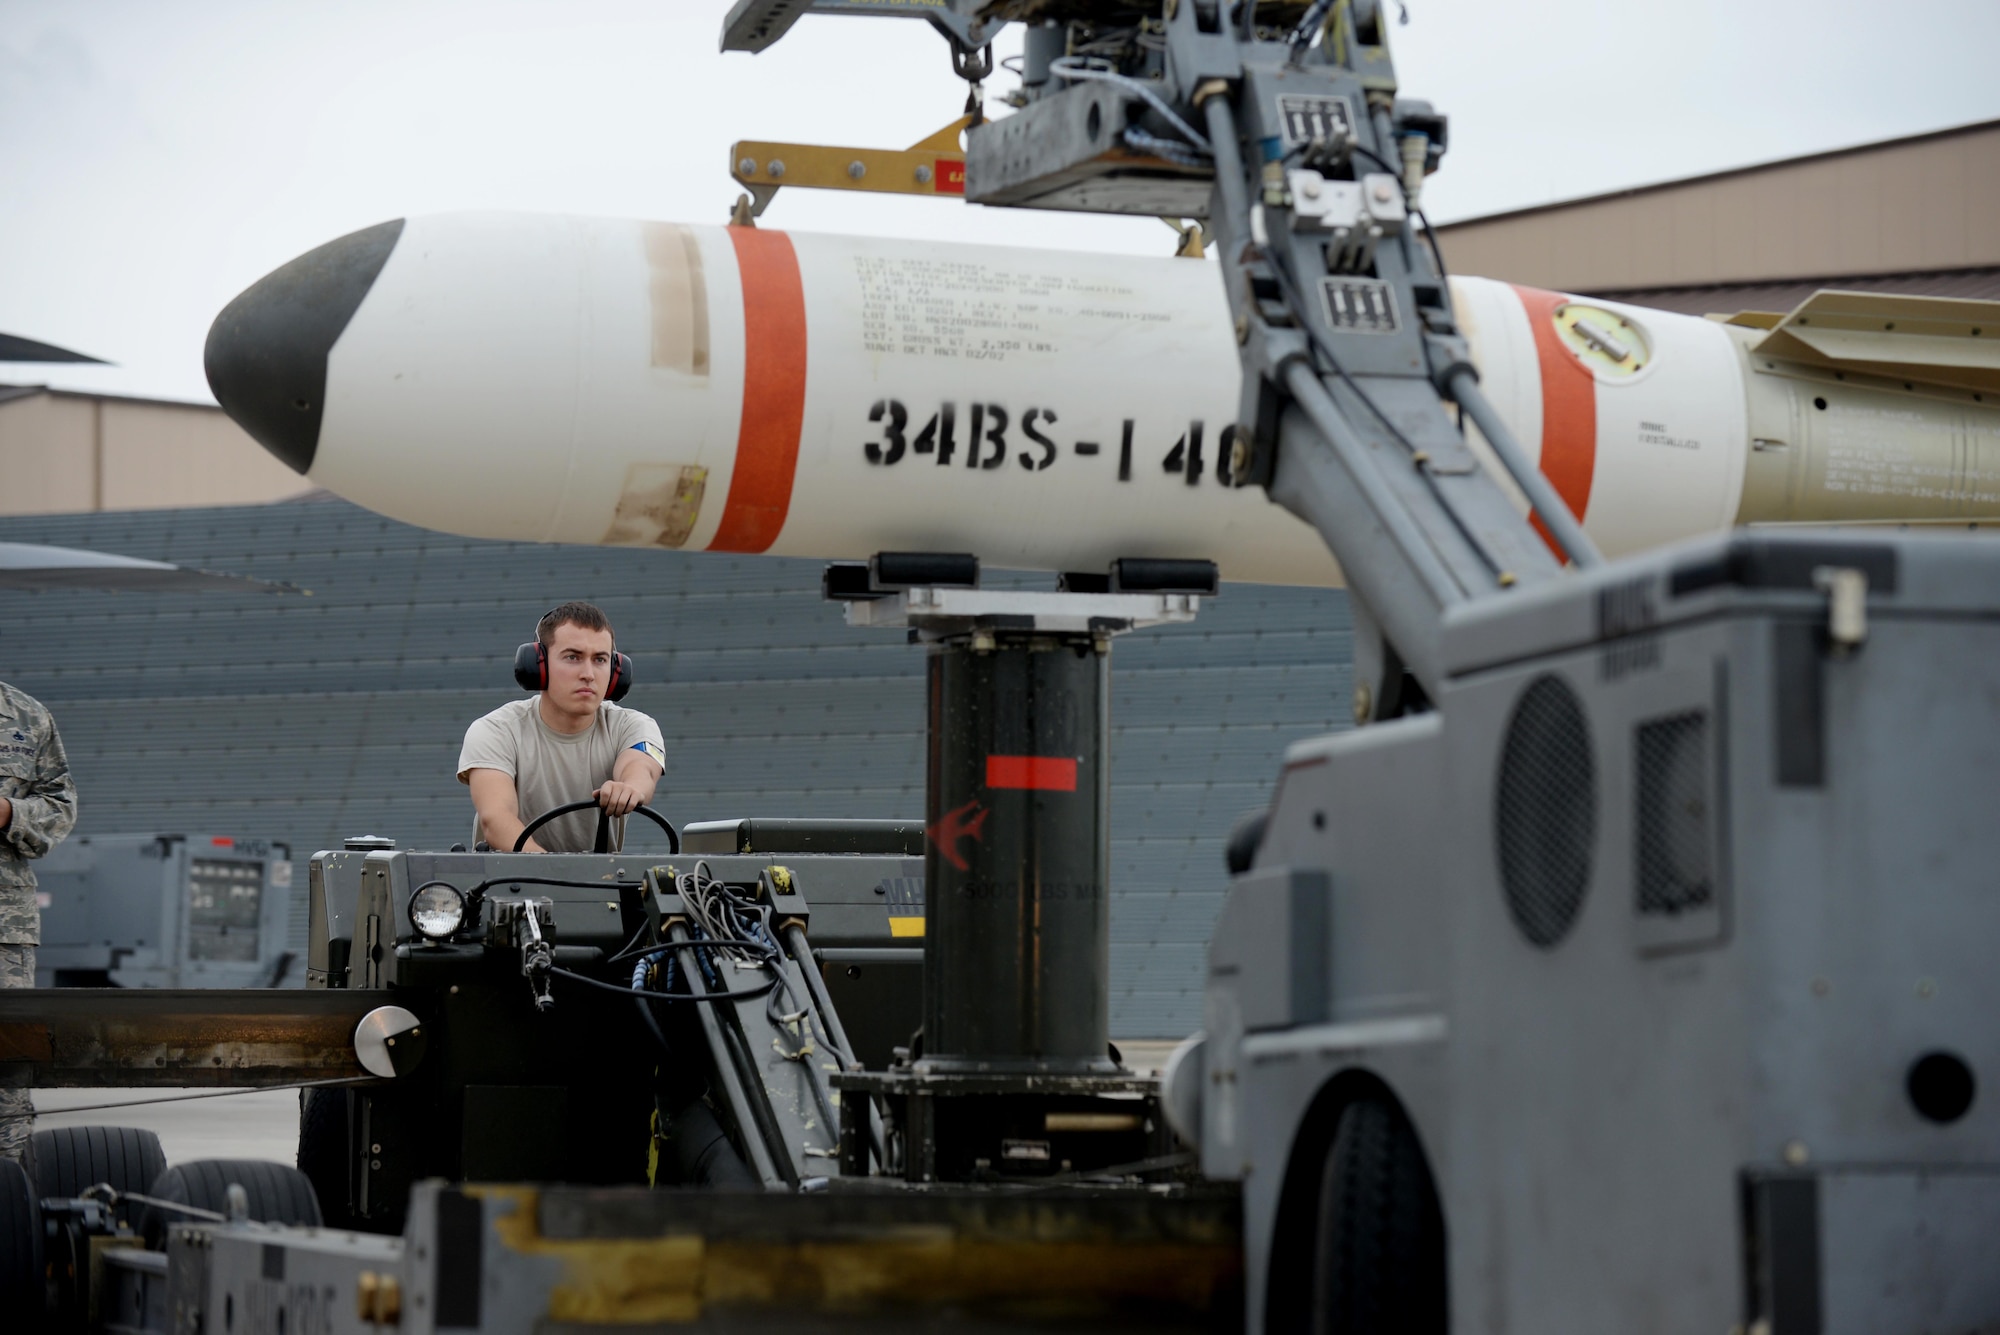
x=65 y=1160
x=324 y=1152
x=1379 y=1263
x=279 y=1193
x=23 y=1288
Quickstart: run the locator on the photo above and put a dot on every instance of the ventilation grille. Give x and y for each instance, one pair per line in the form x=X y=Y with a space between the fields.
x=1545 y=813
x=1676 y=869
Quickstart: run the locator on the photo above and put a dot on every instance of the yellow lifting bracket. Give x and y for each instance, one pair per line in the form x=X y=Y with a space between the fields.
x=1194 y=238
x=934 y=165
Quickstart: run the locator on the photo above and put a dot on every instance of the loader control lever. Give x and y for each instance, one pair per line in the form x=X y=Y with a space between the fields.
x=522 y=920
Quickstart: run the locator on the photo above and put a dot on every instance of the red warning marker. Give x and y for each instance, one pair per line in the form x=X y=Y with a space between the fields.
x=1053 y=773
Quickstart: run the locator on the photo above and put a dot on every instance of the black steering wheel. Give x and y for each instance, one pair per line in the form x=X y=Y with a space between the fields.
x=602 y=844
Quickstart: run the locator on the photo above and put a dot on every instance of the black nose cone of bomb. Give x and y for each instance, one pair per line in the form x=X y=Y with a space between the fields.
x=266 y=353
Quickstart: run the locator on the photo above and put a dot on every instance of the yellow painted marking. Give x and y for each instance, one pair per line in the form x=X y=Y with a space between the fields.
x=668 y=1280
x=606 y=1281
x=934 y=165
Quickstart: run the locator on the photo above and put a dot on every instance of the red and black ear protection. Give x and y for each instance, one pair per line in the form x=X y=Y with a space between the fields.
x=531 y=667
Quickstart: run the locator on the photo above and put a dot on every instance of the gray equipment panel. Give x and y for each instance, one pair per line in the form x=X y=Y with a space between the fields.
x=173 y=910
x=265 y=1279
x=766 y=835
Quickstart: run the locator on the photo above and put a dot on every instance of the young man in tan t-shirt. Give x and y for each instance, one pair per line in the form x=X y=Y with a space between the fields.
x=563 y=744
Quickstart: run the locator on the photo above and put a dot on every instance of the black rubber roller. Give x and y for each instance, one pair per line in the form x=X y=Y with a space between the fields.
x=279 y=1194
x=66 y=1161
x=23 y=1292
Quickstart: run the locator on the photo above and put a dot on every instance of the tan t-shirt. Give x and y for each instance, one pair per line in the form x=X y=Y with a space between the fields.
x=552 y=769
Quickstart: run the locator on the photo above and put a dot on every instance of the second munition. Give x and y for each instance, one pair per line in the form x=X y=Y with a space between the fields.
x=739 y=389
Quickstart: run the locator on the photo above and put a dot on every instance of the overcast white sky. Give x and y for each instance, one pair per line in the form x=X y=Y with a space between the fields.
x=156 y=158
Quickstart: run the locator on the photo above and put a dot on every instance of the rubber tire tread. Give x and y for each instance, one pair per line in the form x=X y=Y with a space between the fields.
x=1379 y=1266
x=323 y=1152
x=23 y=1291
x=64 y=1161
x=279 y=1193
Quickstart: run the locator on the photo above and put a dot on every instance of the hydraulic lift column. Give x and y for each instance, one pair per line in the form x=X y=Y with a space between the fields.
x=1017 y=864
x=1014 y=1073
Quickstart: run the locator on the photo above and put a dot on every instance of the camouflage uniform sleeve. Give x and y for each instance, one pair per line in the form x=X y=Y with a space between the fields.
x=45 y=805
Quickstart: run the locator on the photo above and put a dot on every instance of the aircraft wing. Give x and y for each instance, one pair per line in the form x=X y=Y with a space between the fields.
x=28 y=566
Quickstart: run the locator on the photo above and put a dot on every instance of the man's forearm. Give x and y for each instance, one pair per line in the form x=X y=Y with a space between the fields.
x=639 y=772
x=38 y=820
x=502 y=828
x=498 y=806
x=6 y=813
x=39 y=817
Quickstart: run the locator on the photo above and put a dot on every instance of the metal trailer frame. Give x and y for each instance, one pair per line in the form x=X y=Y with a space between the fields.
x=522 y=1260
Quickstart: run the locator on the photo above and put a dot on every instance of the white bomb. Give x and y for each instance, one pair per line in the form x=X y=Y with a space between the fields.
x=736 y=389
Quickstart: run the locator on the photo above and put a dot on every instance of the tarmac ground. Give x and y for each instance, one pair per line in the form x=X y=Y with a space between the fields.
x=261 y=1124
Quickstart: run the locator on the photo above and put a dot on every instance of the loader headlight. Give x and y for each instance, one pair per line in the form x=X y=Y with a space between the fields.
x=437 y=910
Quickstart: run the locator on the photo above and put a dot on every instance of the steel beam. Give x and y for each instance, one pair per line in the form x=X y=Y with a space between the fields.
x=138 y=1038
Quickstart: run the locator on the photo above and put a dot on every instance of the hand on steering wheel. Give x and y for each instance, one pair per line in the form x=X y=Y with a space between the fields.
x=602 y=843
x=620 y=799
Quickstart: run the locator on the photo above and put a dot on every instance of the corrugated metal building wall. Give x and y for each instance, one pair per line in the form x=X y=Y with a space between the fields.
x=307 y=719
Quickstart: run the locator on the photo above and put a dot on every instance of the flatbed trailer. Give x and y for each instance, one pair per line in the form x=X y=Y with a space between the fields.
x=506 y=1259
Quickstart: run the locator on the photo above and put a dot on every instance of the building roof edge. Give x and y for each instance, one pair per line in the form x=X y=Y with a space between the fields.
x=1628 y=192
x=11 y=392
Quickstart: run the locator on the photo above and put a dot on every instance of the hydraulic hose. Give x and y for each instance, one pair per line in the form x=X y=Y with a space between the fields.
x=1462 y=383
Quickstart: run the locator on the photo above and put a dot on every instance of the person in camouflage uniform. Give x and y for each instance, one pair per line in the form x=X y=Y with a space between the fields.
x=37 y=808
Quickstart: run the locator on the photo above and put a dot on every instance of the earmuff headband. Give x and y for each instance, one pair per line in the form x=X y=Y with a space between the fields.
x=531 y=665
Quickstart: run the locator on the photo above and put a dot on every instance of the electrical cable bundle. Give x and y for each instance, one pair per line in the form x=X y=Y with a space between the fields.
x=741 y=931
x=736 y=924
x=726 y=925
